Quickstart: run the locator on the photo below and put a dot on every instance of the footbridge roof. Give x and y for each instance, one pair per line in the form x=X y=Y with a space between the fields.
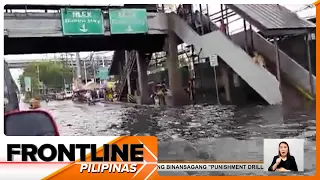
x=273 y=19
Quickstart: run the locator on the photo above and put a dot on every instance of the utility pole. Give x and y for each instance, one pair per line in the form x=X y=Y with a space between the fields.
x=64 y=84
x=94 y=70
x=93 y=62
x=38 y=72
x=72 y=63
x=78 y=64
x=85 y=71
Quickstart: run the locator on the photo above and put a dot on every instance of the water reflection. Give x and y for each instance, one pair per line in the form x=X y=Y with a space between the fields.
x=194 y=132
x=221 y=133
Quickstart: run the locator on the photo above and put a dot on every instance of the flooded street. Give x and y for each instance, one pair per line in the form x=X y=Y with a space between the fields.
x=224 y=133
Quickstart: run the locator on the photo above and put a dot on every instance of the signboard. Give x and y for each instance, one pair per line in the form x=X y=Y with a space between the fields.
x=27 y=84
x=103 y=73
x=82 y=22
x=214 y=60
x=128 y=21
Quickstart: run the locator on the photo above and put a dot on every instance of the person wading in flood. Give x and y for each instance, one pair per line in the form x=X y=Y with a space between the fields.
x=110 y=95
x=159 y=95
x=98 y=93
x=88 y=96
x=191 y=91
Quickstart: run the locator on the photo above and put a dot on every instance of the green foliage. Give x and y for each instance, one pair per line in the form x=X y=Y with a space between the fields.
x=183 y=61
x=51 y=74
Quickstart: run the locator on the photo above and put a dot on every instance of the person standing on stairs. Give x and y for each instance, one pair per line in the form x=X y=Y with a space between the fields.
x=206 y=24
x=187 y=9
x=198 y=22
x=223 y=27
x=181 y=12
x=258 y=59
x=189 y=15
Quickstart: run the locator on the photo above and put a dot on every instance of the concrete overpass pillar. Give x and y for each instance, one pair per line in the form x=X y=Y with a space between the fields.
x=120 y=67
x=142 y=68
x=179 y=96
x=226 y=83
x=78 y=65
x=128 y=74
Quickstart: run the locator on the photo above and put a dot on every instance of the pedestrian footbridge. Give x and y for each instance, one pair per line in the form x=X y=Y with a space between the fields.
x=273 y=21
x=217 y=43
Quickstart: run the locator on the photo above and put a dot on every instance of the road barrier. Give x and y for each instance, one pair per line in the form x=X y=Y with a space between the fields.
x=131 y=98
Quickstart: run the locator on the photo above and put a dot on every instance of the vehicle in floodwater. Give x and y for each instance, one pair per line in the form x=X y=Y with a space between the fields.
x=59 y=96
x=79 y=96
x=91 y=102
x=68 y=94
x=10 y=91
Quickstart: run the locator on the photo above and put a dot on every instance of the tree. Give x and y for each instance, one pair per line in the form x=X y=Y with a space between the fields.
x=183 y=60
x=52 y=74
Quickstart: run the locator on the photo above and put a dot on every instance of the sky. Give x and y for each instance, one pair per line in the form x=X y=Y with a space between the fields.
x=234 y=27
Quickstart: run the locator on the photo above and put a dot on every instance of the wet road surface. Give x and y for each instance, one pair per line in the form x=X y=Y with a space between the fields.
x=194 y=132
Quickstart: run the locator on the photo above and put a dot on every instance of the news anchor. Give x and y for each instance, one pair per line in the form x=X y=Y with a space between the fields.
x=283 y=162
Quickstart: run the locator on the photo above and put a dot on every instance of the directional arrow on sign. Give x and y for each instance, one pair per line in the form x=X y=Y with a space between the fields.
x=129 y=29
x=83 y=28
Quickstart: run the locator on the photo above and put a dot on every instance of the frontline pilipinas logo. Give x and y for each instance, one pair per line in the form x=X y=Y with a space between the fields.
x=132 y=157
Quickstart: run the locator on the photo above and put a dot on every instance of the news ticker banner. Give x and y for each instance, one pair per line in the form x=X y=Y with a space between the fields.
x=134 y=157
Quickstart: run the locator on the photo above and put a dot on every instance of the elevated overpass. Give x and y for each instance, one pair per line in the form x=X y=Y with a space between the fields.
x=25 y=62
x=46 y=7
x=27 y=33
x=70 y=62
x=12 y=64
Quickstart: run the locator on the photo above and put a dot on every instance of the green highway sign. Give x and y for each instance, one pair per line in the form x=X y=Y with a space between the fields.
x=27 y=84
x=128 y=21
x=103 y=73
x=82 y=21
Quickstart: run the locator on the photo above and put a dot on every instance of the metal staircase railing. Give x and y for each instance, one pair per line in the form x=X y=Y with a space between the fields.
x=127 y=70
x=268 y=88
